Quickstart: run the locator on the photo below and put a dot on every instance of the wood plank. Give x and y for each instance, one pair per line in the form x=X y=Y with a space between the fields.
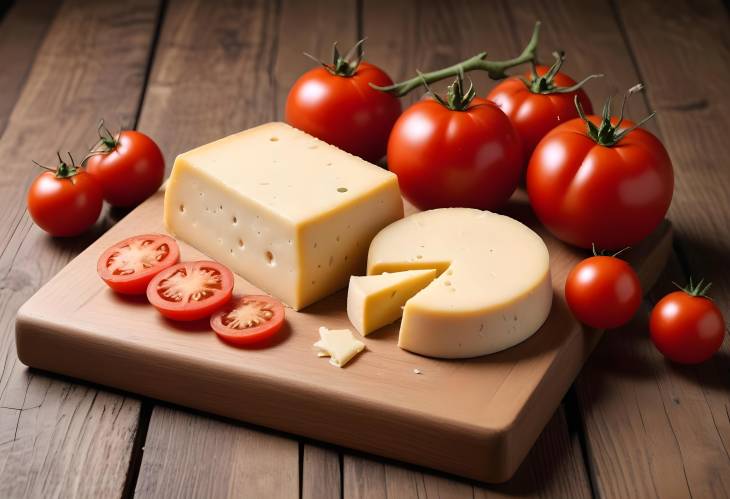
x=553 y=468
x=60 y=438
x=233 y=89
x=22 y=30
x=692 y=39
x=320 y=472
x=655 y=429
x=404 y=37
x=191 y=455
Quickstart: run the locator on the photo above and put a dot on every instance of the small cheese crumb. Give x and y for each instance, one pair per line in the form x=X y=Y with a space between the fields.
x=417 y=371
x=339 y=345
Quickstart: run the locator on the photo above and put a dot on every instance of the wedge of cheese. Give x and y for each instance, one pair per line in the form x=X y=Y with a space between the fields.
x=291 y=214
x=339 y=345
x=375 y=301
x=493 y=293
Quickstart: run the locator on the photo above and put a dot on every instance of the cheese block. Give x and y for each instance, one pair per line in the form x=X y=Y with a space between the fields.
x=375 y=301
x=291 y=214
x=494 y=289
x=339 y=345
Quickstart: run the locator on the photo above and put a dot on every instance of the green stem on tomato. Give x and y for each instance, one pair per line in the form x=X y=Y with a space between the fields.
x=697 y=289
x=495 y=69
x=607 y=134
x=342 y=65
x=63 y=170
x=545 y=84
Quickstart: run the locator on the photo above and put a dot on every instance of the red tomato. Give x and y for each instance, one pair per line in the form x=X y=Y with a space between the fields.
x=190 y=291
x=336 y=104
x=686 y=326
x=65 y=202
x=613 y=193
x=128 y=266
x=248 y=320
x=467 y=156
x=539 y=104
x=130 y=166
x=603 y=292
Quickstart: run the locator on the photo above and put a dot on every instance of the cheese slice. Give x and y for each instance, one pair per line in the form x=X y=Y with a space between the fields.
x=377 y=300
x=291 y=214
x=495 y=290
x=339 y=345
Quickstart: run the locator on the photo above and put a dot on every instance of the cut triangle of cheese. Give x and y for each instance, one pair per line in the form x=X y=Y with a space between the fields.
x=495 y=293
x=338 y=344
x=375 y=301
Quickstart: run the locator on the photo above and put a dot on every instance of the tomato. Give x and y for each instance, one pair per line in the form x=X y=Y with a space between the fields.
x=66 y=201
x=603 y=292
x=249 y=320
x=610 y=185
x=686 y=326
x=190 y=291
x=336 y=104
x=464 y=153
x=129 y=166
x=539 y=101
x=128 y=266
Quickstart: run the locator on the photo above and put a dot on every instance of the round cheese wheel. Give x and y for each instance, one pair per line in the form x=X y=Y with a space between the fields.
x=494 y=287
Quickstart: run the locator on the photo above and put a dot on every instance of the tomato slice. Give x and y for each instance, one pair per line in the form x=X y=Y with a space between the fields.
x=249 y=320
x=128 y=266
x=190 y=291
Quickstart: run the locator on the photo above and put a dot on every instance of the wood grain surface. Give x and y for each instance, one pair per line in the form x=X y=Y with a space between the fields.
x=62 y=438
x=475 y=418
x=675 y=428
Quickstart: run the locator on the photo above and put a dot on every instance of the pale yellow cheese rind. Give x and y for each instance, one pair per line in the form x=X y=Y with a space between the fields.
x=291 y=214
x=495 y=290
x=375 y=301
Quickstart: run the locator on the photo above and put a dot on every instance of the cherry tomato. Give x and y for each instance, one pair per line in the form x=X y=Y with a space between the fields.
x=603 y=292
x=129 y=166
x=336 y=104
x=248 y=320
x=469 y=156
x=610 y=184
x=538 y=102
x=128 y=266
x=190 y=291
x=66 y=201
x=686 y=326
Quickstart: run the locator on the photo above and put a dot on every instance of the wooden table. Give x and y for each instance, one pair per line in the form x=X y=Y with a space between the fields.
x=187 y=72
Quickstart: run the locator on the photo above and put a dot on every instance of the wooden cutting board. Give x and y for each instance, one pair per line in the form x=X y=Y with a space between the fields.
x=475 y=418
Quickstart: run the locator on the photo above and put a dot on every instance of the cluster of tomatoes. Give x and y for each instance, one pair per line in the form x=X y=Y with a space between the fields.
x=149 y=264
x=123 y=169
x=591 y=180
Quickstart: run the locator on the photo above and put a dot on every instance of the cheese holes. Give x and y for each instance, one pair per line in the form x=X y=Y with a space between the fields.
x=274 y=139
x=313 y=146
x=235 y=220
x=342 y=189
x=241 y=244
x=392 y=295
x=270 y=258
x=182 y=208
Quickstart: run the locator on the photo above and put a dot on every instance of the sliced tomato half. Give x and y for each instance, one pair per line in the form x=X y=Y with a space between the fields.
x=128 y=266
x=248 y=320
x=190 y=291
